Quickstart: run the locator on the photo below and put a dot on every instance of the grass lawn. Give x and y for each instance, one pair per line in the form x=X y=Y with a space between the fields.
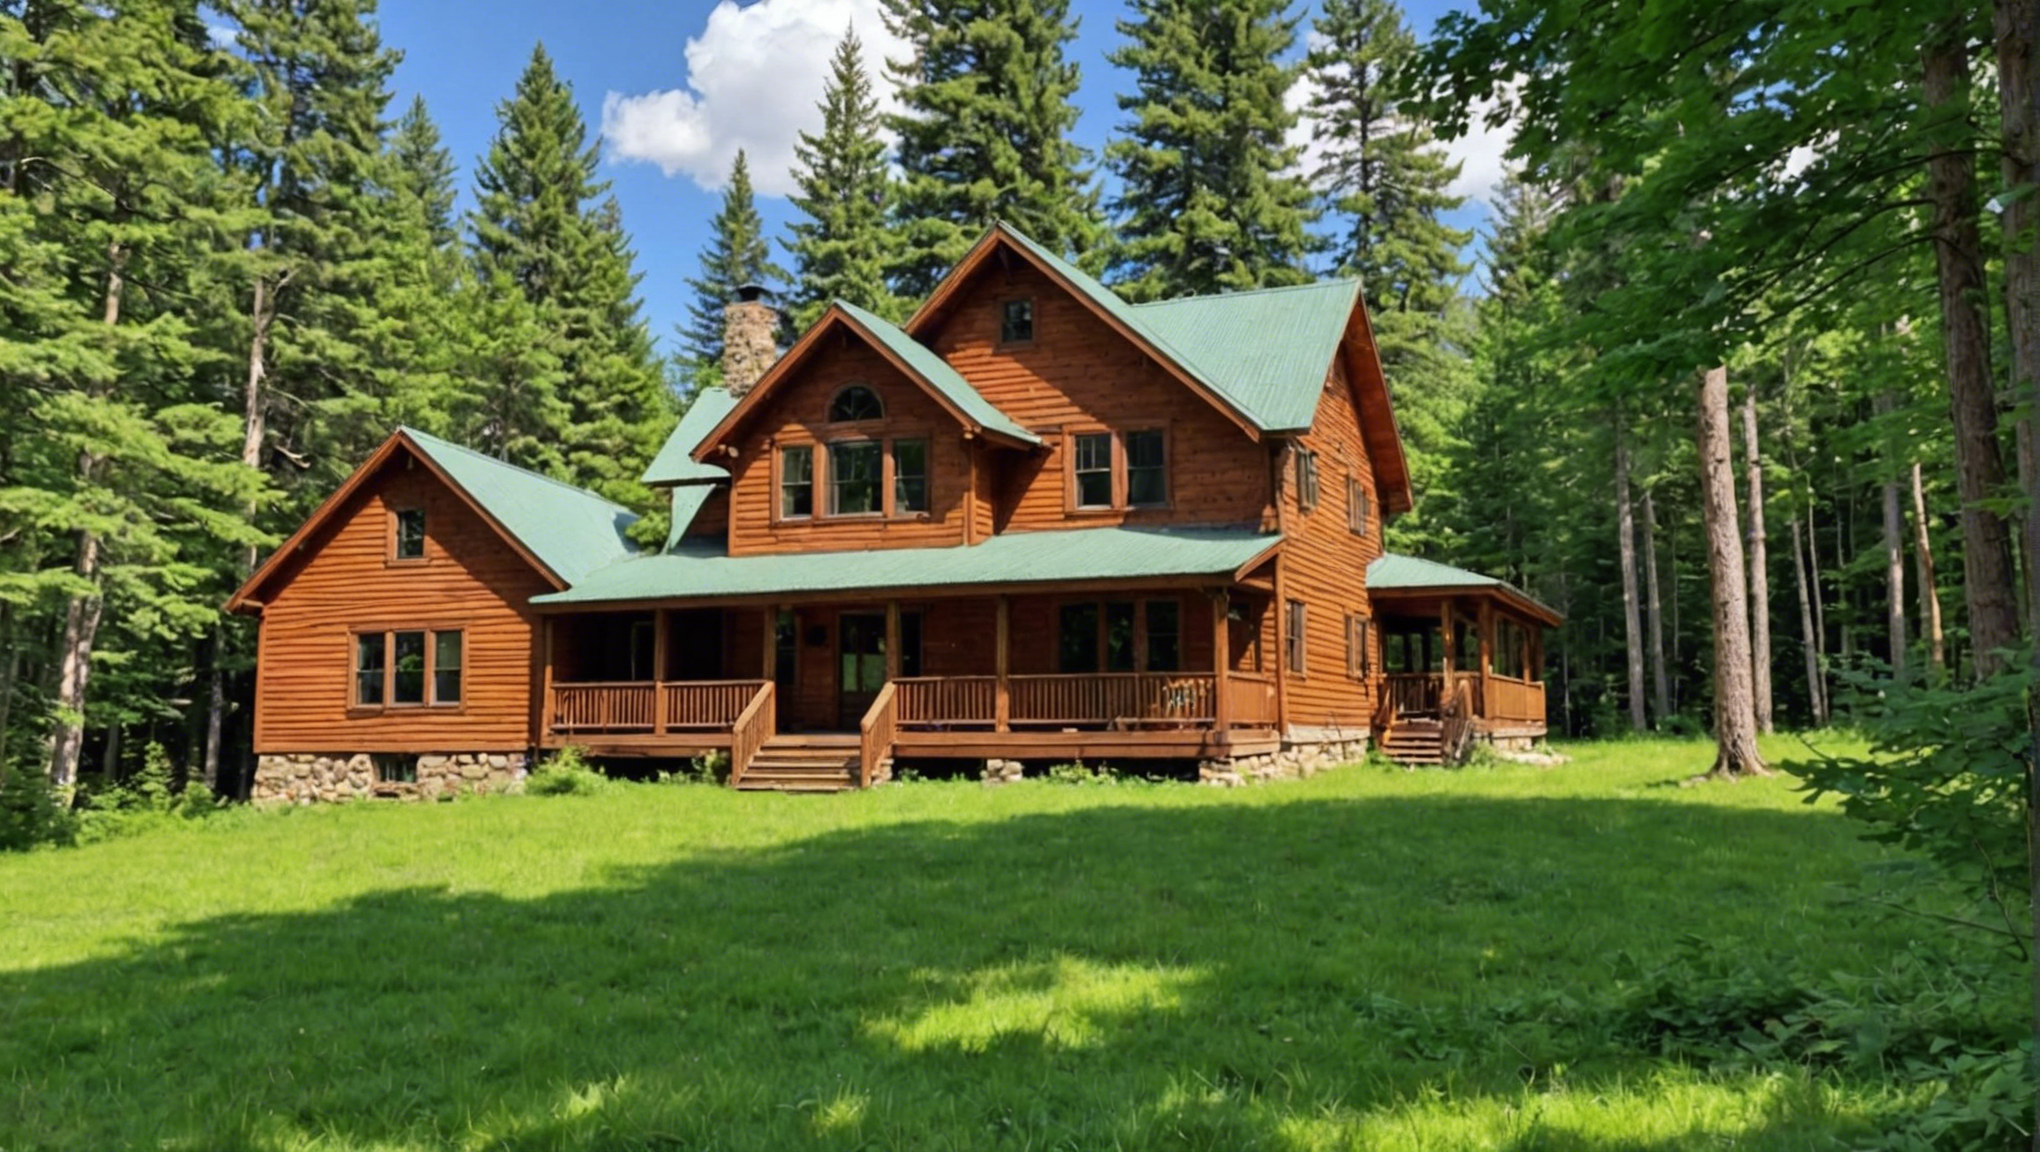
x=926 y=966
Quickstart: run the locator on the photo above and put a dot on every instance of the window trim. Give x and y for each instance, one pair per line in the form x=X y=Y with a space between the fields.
x=1356 y=507
x=1308 y=483
x=1122 y=503
x=1359 y=638
x=1295 y=637
x=821 y=481
x=828 y=511
x=779 y=512
x=431 y=702
x=391 y=556
x=1033 y=317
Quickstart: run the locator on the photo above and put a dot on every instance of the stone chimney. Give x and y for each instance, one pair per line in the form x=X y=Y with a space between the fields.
x=750 y=339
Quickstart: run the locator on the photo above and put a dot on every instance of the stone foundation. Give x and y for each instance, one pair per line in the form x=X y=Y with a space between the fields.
x=316 y=777
x=1001 y=771
x=1297 y=759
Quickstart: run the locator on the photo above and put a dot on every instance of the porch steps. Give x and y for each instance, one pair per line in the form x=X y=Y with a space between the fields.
x=798 y=762
x=1416 y=742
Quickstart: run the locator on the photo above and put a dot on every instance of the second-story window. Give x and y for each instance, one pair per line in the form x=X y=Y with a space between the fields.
x=854 y=403
x=1016 y=322
x=1094 y=470
x=796 y=482
x=409 y=543
x=1356 y=507
x=1306 y=479
x=1147 y=471
x=854 y=474
x=910 y=476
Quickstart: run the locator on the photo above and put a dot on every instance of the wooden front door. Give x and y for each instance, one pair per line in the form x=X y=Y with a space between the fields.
x=860 y=665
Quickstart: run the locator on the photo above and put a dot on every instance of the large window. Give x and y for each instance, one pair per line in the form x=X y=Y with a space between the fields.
x=910 y=476
x=1120 y=636
x=854 y=469
x=1294 y=637
x=1119 y=469
x=796 y=482
x=408 y=667
x=408 y=539
x=855 y=402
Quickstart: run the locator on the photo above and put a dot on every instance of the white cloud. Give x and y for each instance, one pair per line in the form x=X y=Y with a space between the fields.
x=754 y=80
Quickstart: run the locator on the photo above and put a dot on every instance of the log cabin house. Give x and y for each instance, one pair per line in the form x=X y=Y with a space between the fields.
x=1032 y=524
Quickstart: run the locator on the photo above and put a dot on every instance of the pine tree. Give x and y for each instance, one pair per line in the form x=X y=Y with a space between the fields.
x=843 y=247
x=425 y=171
x=545 y=226
x=737 y=254
x=984 y=132
x=1209 y=198
x=1385 y=178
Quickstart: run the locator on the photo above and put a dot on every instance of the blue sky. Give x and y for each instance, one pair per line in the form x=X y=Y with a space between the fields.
x=685 y=83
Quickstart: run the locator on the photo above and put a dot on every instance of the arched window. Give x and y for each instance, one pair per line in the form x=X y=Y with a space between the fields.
x=855 y=402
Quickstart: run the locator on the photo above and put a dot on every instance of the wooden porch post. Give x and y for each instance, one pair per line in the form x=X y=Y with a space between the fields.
x=1221 y=660
x=1002 y=705
x=545 y=707
x=659 y=717
x=1487 y=657
x=892 y=640
x=1280 y=609
x=1450 y=655
x=768 y=661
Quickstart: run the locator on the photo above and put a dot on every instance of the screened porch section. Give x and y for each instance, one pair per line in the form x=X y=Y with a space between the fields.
x=1476 y=650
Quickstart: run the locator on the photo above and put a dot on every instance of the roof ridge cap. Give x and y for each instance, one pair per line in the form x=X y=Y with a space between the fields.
x=1317 y=285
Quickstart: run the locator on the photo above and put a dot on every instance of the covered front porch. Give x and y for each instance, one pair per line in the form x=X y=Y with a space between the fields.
x=1163 y=671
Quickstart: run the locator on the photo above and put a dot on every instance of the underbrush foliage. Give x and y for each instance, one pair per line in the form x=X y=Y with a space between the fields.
x=566 y=773
x=32 y=814
x=1944 y=778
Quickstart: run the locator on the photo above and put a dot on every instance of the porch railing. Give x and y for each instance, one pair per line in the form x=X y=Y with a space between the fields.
x=877 y=733
x=1516 y=700
x=948 y=701
x=648 y=708
x=1415 y=692
x=751 y=728
x=1250 y=699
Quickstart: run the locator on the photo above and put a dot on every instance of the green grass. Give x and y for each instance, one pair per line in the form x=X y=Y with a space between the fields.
x=925 y=966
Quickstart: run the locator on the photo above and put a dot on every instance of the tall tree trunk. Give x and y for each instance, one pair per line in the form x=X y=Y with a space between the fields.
x=1989 y=584
x=216 y=707
x=1816 y=689
x=10 y=663
x=82 y=609
x=255 y=403
x=1735 y=713
x=1632 y=607
x=1661 y=677
x=1819 y=602
x=1759 y=558
x=2015 y=24
x=1923 y=565
x=1894 y=554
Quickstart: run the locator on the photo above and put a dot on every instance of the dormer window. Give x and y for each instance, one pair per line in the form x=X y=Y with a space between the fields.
x=855 y=403
x=1016 y=322
x=408 y=541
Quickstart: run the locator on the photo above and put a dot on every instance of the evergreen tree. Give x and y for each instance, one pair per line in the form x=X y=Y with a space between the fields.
x=1209 y=197
x=843 y=247
x=544 y=226
x=425 y=171
x=737 y=254
x=984 y=132
x=1385 y=178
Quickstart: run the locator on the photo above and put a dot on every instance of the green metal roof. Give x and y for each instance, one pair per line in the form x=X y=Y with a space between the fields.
x=1015 y=558
x=1264 y=352
x=687 y=502
x=937 y=374
x=675 y=463
x=1391 y=571
x=571 y=530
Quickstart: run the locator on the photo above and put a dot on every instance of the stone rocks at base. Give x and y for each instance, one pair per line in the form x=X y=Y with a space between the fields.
x=329 y=777
x=1001 y=771
x=1293 y=761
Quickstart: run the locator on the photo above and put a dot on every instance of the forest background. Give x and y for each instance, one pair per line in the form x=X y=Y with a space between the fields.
x=1752 y=309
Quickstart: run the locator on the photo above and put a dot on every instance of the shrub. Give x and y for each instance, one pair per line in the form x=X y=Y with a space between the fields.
x=566 y=773
x=144 y=801
x=30 y=812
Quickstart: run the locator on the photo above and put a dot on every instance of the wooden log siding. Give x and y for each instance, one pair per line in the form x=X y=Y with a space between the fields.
x=344 y=582
x=1079 y=371
x=797 y=414
x=1324 y=564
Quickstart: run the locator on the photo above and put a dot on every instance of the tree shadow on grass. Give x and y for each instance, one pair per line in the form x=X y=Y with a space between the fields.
x=1126 y=976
